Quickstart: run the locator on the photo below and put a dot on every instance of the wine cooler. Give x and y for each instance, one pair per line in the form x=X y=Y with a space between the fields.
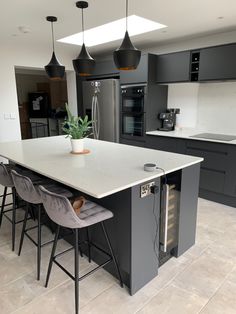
x=169 y=219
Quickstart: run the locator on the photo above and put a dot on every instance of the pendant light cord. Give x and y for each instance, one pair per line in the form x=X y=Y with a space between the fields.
x=83 y=24
x=127 y=14
x=52 y=37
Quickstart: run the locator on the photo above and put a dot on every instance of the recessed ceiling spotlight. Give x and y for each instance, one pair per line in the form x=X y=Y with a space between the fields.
x=24 y=29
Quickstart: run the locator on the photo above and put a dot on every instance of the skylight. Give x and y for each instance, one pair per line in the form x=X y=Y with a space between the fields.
x=113 y=31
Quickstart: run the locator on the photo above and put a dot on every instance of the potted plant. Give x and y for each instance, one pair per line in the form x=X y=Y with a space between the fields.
x=77 y=129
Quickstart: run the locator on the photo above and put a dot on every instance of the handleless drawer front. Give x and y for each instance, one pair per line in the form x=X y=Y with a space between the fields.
x=212 y=180
x=215 y=155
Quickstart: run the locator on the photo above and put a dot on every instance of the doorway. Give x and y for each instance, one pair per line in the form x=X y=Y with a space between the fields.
x=41 y=103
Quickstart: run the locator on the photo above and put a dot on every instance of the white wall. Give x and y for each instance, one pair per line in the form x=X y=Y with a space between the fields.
x=185 y=97
x=217 y=107
x=205 y=106
x=20 y=55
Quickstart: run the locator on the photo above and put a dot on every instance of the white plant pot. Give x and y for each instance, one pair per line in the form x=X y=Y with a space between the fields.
x=77 y=145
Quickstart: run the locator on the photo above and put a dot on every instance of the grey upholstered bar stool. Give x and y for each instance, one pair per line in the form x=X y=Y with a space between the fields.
x=60 y=210
x=30 y=193
x=7 y=183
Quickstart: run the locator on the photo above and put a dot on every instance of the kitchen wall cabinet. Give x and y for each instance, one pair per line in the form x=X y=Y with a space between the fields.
x=173 y=67
x=105 y=68
x=218 y=63
x=143 y=73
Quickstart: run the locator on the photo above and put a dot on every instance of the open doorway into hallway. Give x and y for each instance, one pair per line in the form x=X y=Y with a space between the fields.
x=41 y=103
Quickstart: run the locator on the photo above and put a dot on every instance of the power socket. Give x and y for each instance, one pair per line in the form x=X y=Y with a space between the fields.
x=145 y=189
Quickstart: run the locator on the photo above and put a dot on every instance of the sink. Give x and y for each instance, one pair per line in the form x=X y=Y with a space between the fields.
x=217 y=137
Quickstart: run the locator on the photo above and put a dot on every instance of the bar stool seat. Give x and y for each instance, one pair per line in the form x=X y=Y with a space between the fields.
x=29 y=192
x=60 y=210
x=92 y=213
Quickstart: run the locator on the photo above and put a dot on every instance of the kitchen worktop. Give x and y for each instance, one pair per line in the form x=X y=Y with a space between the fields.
x=187 y=133
x=107 y=169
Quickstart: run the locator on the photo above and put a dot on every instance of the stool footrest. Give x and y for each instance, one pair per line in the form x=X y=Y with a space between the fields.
x=90 y=272
x=35 y=243
x=85 y=275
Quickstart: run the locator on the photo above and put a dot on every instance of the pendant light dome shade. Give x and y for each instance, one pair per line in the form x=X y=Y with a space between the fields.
x=84 y=64
x=127 y=57
x=54 y=69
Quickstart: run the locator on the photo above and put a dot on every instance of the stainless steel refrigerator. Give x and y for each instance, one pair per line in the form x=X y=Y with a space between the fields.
x=101 y=104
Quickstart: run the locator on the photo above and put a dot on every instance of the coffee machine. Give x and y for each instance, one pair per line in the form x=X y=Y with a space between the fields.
x=168 y=119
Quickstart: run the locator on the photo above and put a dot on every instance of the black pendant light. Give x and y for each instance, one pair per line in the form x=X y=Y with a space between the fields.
x=126 y=57
x=54 y=69
x=84 y=64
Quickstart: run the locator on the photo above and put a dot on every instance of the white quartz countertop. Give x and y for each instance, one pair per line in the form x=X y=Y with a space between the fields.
x=107 y=169
x=187 y=133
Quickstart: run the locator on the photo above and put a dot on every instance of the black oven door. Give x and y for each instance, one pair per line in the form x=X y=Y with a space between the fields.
x=133 y=99
x=133 y=124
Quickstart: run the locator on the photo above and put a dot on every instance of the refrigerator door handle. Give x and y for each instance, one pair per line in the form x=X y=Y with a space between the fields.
x=98 y=118
x=93 y=117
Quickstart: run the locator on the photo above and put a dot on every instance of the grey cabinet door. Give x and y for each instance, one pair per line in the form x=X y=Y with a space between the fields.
x=140 y=75
x=218 y=63
x=105 y=68
x=173 y=67
x=230 y=177
x=173 y=145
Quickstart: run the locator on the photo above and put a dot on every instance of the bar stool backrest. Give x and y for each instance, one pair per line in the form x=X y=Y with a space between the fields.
x=5 y=176
x=25 y=188
x=60 y=210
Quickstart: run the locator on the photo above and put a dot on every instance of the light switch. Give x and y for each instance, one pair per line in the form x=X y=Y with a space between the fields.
x=7 y=116
x=13 y=116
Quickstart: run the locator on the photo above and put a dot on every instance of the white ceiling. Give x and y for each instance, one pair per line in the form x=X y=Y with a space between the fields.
x=185 y=18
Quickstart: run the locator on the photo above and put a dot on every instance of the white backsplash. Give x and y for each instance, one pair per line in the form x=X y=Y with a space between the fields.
x=205 y=106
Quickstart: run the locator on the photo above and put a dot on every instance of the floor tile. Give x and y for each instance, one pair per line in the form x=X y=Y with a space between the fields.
x=179 y=301
x=223 y=301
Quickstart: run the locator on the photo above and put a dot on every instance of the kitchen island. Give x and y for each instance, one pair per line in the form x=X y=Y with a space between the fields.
x=112 y=175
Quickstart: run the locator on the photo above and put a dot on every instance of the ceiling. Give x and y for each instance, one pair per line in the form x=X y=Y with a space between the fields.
x=184 y=18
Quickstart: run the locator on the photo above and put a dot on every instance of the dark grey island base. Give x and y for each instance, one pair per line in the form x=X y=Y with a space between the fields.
x=133 y=228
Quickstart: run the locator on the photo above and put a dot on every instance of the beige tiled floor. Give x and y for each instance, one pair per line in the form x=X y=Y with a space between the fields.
x=203 y=280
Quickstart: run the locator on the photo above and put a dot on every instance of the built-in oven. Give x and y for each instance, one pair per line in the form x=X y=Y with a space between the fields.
x=133 y=111
x=133 y=124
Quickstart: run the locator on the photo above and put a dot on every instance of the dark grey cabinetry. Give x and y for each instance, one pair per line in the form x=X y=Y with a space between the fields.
x=213 y=168
x=173 y=67
x=105 y=68
x=141 y=74
x=132 y=142
x=168 y=144
x=218 y=170
x=218 y=63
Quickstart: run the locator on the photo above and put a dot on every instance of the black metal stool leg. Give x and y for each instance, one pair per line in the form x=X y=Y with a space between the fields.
x=112 y=253
x=39 y=243
x=13 y=218
x=23 y=228
x=3 y=204
x=76 y=271
x=89 y=246
x=52 y=255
